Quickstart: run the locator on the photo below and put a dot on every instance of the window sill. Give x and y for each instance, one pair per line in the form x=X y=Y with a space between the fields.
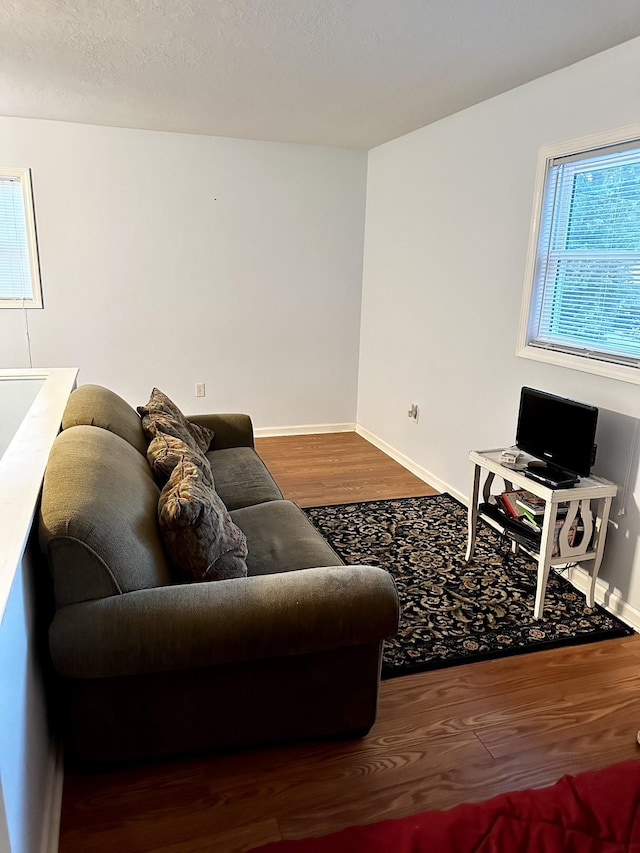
x=587 y=365
x=20 y=303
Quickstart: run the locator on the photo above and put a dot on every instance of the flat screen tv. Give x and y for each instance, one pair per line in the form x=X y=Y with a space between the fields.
x=557 y=431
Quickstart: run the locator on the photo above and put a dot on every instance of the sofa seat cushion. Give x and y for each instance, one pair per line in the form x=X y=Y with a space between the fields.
x=242 y=478
x=93 y=405
x=202 y=540
x=281 y=538
x=98 y=517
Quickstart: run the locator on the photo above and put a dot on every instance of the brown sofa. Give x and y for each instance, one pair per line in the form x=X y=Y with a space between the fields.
x=149 y=666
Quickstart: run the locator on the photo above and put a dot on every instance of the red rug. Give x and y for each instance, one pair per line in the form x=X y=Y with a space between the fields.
x=595 y=812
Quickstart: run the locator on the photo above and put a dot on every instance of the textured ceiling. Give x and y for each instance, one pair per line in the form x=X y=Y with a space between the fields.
x=352 y=73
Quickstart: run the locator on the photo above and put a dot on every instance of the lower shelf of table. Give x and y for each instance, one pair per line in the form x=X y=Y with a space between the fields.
x=530 y=547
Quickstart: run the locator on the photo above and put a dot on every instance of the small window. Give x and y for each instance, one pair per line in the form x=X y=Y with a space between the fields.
x=582 y=298
x=19 y=267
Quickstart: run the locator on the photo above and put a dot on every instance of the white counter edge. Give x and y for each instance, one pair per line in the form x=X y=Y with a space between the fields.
x=23 y=464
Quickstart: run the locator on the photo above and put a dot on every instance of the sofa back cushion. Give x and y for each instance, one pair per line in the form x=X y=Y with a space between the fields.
x=98 y=517
x=94 y=405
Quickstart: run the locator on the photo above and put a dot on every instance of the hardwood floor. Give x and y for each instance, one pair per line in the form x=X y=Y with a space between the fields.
x=458 y=734
x=316 y=470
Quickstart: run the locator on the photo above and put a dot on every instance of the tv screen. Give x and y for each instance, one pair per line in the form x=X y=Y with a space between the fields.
x=558 y=431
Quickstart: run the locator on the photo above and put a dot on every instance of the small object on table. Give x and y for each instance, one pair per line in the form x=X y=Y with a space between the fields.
x=510 y=456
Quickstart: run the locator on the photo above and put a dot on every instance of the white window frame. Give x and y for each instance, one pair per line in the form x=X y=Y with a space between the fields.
x=578 y=361
x=35 y=301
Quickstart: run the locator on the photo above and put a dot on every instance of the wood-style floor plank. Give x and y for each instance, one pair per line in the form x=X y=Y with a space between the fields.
x=458 y=734
x=317 y=470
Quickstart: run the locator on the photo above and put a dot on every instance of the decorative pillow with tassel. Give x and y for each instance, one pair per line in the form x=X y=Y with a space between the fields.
x=166 y=451
x=201 y=539
x=162 y=415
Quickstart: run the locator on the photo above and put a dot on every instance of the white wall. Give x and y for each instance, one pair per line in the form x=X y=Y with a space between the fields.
x=447 y=225
x=169 y=259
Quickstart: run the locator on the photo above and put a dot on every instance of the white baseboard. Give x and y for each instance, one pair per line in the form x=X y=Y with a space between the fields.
x=410 y=465
x=53 y=800
x=304 y=429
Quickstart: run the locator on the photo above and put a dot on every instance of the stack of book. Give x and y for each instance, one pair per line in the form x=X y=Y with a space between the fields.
x=528 y=510
x=495 y=509
x=510 y=502
x=532 y=510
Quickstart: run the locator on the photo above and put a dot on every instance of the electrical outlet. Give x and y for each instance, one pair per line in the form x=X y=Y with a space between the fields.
x=414 y=412
x=199 y=389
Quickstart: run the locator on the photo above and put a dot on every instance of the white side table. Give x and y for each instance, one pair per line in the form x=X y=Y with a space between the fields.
x=591 y=498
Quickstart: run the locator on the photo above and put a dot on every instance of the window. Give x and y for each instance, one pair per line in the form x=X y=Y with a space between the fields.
x=582 y=300
x=19 y=267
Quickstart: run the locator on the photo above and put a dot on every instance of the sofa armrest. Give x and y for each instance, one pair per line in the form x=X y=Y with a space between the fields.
x=207 y=624
x=231 y=430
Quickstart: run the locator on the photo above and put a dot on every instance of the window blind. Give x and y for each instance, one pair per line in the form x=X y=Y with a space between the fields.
x=586 y=296
x=15 y=267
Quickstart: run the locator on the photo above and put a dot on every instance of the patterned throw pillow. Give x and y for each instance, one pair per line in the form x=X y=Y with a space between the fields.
x=162 y=415
x=201 y=539
x=165 y=451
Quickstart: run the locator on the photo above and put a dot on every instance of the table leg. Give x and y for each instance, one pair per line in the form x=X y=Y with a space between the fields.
x=473 y=513
x=545 y=556
x=602 y=519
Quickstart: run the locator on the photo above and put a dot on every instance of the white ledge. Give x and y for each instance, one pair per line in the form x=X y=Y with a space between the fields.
x=23 y=464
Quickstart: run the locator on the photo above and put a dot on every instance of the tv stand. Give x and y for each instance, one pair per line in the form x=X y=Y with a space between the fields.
x=590 y=497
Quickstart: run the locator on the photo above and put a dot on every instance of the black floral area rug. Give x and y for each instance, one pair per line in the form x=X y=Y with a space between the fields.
x=454 y=612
